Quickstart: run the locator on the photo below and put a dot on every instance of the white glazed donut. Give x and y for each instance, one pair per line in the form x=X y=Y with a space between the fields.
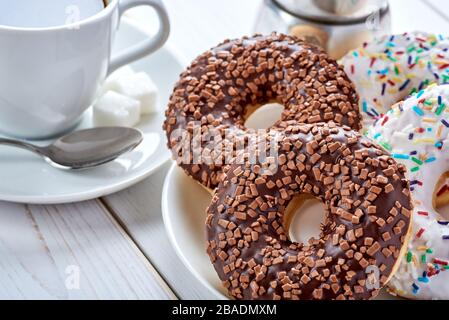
x=416 y=132
x=392 y=67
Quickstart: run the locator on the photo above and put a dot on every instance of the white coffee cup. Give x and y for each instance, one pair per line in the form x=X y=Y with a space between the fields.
x=49 y=76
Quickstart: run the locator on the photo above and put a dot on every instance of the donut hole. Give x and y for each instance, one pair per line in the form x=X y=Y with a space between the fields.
x=264 y=116
x=441 y=196
x=304 y=216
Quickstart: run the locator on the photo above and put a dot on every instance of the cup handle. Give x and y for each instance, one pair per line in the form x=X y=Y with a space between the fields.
x=148 y=46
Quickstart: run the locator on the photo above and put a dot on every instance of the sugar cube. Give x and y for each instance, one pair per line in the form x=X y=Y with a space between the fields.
x=111 y=81
x=114 y=109
x=139 y=87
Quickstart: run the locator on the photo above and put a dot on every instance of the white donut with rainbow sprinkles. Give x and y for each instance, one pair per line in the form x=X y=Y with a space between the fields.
x=416 y=133
x=392 y=67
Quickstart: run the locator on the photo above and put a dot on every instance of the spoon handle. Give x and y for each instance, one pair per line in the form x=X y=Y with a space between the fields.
x=22 y=145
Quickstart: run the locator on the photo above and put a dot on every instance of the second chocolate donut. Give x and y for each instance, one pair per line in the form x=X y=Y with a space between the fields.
x=368 y=217
x=222 y=86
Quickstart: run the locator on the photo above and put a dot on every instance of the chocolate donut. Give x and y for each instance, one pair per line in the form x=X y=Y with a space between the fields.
x=367 y=223
x=221 y=87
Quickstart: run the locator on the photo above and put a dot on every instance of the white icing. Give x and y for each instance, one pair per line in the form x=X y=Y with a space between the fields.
x=421 y=112
x=388 y=69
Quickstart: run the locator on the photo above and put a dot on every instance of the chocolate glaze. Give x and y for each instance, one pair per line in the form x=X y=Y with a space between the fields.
x=368 y=205
x=217 y=87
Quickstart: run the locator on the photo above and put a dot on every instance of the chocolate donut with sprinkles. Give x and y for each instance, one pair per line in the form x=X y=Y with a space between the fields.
x=223 y=86
x=387 y=70
x=367 y=222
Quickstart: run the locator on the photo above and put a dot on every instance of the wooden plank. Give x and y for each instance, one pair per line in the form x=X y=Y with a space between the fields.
x=38 y=244
x=45 y=249
x=414 y=15
x=139 y=210
x=440 y=8
x=201 y=24
x=196 y=26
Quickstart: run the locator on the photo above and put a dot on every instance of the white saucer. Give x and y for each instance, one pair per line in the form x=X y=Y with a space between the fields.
x=184 y=203
x=26 y=178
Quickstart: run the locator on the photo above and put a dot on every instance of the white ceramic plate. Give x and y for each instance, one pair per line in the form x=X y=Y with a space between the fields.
x=184 y=203
x=28 y=179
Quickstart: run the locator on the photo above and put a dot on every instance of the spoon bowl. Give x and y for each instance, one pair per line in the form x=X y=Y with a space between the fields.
x=86 y=148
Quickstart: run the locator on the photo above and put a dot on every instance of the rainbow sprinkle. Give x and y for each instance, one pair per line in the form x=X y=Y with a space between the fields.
x=395 y=66
x=414 y=132
x=420 y=233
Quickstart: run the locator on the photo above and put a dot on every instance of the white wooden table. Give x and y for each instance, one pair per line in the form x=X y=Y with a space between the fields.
x=116 y=247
